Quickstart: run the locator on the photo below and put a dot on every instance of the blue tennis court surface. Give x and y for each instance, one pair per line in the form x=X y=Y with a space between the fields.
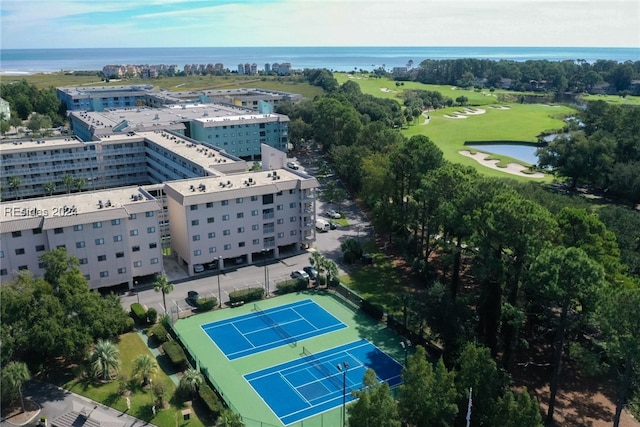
x=266 y=329
x=313 y=384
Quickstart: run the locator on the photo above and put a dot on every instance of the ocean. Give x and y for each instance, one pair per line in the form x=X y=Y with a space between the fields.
x=24 y=61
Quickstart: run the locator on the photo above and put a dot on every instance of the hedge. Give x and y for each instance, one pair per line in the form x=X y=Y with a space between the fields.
x=289 y=286
x=206 y=304
x=139 y=313
x=246 y=295
x=210 y=398
x=159 y=332
x=175 y=353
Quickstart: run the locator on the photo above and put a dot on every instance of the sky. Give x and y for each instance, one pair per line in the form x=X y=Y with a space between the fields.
x=221 y=23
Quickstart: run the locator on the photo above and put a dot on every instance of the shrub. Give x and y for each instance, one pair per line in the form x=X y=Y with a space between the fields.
x=206 y=304
x=210 y=398
x=139 y=313
x=374 y=310
x=293 y=285
x=246 y=295
x=152 y=315
x=159 y=332
x=175 y=353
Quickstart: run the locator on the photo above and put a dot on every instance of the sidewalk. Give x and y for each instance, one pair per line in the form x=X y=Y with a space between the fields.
x=57 y=403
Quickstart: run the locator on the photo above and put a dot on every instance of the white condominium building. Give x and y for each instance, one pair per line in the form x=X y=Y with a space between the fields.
x=236 y=217
x=114 y=233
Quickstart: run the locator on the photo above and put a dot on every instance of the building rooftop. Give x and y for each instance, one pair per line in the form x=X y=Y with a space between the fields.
x=23 y=145
x=76 y=208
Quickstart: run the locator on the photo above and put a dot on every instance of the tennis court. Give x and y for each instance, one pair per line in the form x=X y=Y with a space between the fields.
x=312 y=384
x=263 y=330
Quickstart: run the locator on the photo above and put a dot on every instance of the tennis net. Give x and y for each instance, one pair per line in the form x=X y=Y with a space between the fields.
x=311 y=358
x=275 y=326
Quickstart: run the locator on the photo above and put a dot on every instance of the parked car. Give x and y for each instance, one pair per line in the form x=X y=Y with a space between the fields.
x=312 y=272
x=333 y=214
x=300 y=274
x=293 y=165
x=192 y=298
x=333 y=225
x=198 y=268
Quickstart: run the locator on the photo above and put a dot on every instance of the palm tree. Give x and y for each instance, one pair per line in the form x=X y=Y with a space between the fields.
x=16 y=373
x=49 y=187
x=317 y=261
x=191 y=380
x=79 y=183
x=67 y=180
x=14 y=183
x=163 y=285
x=228 y=418
x=144 y=367
x=104 y=358
x=332 y=270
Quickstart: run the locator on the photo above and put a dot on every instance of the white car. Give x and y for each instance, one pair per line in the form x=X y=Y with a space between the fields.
x=293 y=165
x=198 y=268
x=300 y=274
x=333 y=214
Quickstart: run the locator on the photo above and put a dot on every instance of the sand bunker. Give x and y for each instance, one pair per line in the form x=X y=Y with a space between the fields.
x=512 y=168
x=500 y=107
x=384 y=89
x=462 y=114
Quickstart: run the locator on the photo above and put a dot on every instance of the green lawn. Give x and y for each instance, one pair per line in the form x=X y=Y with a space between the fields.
x=130 y=347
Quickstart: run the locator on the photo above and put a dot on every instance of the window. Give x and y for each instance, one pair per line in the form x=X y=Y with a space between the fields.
x=149 y=214
x=293 y=232
x=80 y=245
x=256 y=241
x=97 y=224
x=3 y=272
x=292 y=191
x=119 y=254
x=241 y=244
x=293 y=219
x=255 y=227
x=211 y=235
x=212 y=250
x=135 y=248
x=226 y=232
x=153 y=245
x=77 y=227
x=225 y=217
x=280 y=207
x=40 y=248
x=23 y=267
x=197 y=252
x=137 y=263
x=240 y=229
x=133 y=233
x=209 y=204
x=37 y=231
x=154 y=260
x=117 y=238
x=61 y=247
x=99 y=241
x=195 y=222
x=225 y=203
x=16 y=233
x=280 y=235
x=280 y=221
x=102 y=258
x=210 y=220
x=87 y=276
x=267 y=199
x=122 y=270
x=254 y=198
x=41 y=265
x=115 y=221
x=1 y=254
x=133 y=216
x=83 y=261
x=195 y=237
x=227 y=247
x=151 y=230
x=254 y=212
x=240 y=200
x=193 y=207
x=240 y=215
x=104 y=274
x=293 y=205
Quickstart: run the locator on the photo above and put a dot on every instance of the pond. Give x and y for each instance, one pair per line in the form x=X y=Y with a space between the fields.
x=525 y=153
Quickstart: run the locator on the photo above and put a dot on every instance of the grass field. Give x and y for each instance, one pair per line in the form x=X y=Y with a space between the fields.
x=131 y=346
